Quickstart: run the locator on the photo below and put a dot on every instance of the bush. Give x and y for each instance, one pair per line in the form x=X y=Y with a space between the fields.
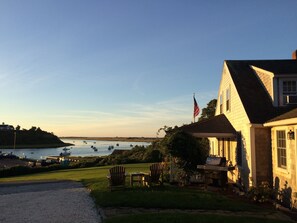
x=152 y=156
x=187 y=150
x=22 y=170
x=262 y=193
x=139 y=154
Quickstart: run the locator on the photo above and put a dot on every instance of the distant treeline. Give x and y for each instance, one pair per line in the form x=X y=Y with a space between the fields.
x=34 y=137
x=121 y=139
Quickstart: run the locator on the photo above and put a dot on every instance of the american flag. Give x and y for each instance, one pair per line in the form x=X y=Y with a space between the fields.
x=196 y=108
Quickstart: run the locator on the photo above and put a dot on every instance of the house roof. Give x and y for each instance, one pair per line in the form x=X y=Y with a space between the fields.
x=256 y=101
x=217 y=126
x=287 y=115
x=286 y=118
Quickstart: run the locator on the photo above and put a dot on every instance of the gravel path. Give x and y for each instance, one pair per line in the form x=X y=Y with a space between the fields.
x=47 y=202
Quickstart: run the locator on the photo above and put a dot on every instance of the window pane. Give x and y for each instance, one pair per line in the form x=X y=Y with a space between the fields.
x=281 y=149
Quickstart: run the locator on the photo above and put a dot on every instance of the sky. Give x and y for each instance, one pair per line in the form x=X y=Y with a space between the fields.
x=128 y=67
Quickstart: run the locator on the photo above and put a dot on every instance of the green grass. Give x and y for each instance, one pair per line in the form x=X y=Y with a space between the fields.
x=187 y=218
x=93 y=174
x=165 y=197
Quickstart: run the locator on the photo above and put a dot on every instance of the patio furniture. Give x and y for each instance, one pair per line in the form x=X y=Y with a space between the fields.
x=116 y=177
x=137 y=177
x=155 y=176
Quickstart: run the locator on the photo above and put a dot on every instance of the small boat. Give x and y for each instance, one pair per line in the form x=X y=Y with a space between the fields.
x=95 y=149
x=117 y=144
x=110 y=147
x=66 y=152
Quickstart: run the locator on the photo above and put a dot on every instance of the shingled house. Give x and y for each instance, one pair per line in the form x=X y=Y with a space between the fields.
x=255 y=121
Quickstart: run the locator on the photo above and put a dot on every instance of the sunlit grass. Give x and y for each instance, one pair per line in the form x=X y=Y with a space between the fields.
x=162 y=197
x=92 y=174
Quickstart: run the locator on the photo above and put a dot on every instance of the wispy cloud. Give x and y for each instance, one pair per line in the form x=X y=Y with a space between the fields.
x=137 y=119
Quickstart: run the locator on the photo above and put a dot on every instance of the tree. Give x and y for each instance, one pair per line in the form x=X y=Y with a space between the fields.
x=209 y=111
x=33 y=129
x=188 y=150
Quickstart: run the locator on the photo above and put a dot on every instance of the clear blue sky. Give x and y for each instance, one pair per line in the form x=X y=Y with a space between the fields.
x=127 y=68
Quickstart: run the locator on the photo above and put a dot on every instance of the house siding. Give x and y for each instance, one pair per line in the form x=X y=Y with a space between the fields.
x=256 y=165
x=263 y=156
x=240 y=121
x=284 y=179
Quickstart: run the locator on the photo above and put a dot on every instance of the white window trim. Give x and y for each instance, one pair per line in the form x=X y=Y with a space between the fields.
x=281 y=170
x=281 y=95
x=228 y=90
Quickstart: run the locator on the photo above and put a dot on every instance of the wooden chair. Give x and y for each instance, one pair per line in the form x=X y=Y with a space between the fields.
x=155 y=176
x=116 y=177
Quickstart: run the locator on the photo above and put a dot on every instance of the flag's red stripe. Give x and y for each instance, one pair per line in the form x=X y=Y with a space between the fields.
x=196 y=108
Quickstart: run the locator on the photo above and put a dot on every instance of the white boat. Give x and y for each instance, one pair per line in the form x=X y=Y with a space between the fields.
x=66 y=152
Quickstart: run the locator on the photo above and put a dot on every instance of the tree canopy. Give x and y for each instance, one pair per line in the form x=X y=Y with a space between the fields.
x=209 y=111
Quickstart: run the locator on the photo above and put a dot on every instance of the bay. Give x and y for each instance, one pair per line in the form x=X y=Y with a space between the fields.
x=81 y=148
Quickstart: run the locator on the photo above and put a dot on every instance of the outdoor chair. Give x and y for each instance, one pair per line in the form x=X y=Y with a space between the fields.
x=116 y=177
x=155 y=176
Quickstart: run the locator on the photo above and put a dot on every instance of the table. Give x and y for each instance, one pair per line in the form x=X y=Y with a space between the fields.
x=137 y=177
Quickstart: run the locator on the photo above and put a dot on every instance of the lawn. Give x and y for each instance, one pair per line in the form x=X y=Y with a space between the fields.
x=163 y=198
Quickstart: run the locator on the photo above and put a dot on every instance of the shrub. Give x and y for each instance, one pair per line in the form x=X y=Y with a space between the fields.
x=187 y=150
x=22 y=170
x=262 y=193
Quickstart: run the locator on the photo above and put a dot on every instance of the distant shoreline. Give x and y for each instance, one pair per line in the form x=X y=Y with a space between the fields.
x=122 y=139
x=40 y=146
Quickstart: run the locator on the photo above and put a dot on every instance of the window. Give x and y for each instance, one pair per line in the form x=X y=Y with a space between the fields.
x=289 y=87
x=228 y=99
x=221 y=103
x=281 y=149
x=289 y=91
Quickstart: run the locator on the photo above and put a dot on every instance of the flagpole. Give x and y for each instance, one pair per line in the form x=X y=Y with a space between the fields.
x=193 y=114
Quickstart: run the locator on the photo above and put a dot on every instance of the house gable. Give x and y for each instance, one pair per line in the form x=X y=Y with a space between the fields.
x=251 y=79
x=236 y=113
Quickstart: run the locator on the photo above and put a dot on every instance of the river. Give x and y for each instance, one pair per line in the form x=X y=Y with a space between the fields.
x=80 y=148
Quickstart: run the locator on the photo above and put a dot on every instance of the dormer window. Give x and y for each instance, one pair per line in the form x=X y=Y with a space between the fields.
x=289 y=92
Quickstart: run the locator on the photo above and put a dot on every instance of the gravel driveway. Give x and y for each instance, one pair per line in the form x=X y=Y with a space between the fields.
x=47 y=202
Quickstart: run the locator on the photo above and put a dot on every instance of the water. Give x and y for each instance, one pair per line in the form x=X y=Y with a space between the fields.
x=80 y=148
